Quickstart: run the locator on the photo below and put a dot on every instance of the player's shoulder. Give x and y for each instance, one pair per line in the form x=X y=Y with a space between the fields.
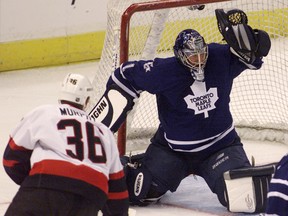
x=217 y=47
x=43 y=108
x=219 y=52
x=48 y=106
x=39 y=112
x=168 y=64
x=165 y=61
x=157 y=62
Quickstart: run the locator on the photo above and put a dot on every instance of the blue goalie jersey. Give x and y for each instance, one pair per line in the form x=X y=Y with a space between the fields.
x=193 y=115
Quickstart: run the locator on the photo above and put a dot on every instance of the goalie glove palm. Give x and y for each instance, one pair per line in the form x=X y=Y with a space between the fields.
x=233 y=25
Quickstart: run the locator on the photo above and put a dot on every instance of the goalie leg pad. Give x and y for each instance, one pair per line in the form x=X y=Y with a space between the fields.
x=246 y=189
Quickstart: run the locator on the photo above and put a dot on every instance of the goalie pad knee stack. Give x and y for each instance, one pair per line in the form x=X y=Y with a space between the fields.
x=246 y=189
x=244 y=42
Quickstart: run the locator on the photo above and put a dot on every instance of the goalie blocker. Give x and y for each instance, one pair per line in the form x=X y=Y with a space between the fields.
x=113 y=107
x=246 y=188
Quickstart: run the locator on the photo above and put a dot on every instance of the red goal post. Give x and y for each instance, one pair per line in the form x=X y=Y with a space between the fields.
x=257 y=98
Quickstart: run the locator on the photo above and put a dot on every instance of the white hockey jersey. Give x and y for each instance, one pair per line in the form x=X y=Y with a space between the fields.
x=60 y=147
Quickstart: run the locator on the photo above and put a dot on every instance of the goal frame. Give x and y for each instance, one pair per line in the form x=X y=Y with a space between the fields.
x=124 y=40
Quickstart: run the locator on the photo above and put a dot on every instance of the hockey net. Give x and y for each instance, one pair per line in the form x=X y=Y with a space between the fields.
x=138 y=29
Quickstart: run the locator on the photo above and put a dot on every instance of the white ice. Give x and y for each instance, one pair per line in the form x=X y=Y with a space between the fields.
x=23 y=90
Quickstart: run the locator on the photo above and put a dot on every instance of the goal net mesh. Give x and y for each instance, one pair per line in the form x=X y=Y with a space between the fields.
x=259 y=101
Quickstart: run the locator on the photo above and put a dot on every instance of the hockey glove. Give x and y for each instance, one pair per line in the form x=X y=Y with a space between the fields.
x=263 y=41
x=245 y=42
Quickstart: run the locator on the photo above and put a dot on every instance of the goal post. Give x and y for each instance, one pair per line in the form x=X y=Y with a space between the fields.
x=142 y=29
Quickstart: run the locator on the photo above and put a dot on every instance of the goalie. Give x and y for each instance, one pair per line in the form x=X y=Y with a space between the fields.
x=196 y=132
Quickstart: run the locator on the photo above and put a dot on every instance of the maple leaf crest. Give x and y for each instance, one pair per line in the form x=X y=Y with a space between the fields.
x=202 y=100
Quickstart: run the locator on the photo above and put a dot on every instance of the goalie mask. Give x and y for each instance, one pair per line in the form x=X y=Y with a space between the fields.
x=76 y=88
x=192 y=51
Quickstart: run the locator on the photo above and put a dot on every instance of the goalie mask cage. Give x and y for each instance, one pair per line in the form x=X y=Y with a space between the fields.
x=138 y=29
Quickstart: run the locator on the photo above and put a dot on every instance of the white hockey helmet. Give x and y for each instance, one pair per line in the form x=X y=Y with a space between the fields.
x=76 y=88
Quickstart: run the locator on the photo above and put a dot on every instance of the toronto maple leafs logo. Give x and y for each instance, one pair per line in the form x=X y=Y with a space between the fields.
x=202 y=101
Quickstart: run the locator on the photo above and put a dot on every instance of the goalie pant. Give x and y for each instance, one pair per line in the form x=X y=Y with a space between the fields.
x=277 y=203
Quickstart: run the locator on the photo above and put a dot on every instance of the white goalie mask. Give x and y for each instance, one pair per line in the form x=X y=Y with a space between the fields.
x=190 y=48
x=76 y=88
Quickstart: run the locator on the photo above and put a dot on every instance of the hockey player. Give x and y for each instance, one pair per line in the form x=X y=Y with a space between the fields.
x=277 y=203
x=65 y=162
x=196 y=132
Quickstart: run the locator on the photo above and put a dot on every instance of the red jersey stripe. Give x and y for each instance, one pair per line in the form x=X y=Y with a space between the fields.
x=66 y=169
x=9 y=163
x=15 y=147
x=115 y=176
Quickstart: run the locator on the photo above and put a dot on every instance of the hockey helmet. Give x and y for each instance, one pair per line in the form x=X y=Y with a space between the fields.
x=192 y=51
x=76 y=88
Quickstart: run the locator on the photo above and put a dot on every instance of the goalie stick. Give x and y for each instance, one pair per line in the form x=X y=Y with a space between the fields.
x=253 y=171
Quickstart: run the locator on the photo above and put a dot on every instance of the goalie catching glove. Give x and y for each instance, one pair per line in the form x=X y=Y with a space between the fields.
x=245 y=42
